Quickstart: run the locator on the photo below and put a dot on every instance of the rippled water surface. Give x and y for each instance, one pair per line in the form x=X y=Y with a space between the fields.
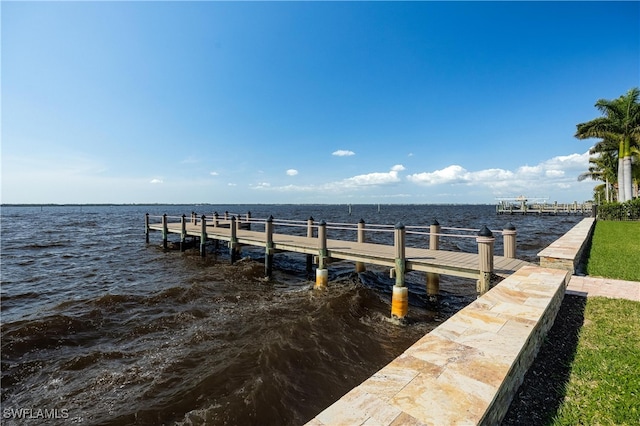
x=100 y=328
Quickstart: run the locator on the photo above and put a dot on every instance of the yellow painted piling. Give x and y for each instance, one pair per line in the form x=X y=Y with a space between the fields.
x=399 y=302
x=400 y=295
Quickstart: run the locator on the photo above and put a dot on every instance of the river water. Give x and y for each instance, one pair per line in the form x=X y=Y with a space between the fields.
x=100 y=328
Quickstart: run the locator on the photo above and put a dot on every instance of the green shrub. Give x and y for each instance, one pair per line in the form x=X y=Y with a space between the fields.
x=629 y=210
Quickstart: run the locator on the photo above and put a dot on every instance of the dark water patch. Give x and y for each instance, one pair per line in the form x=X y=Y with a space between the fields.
x=50 y=332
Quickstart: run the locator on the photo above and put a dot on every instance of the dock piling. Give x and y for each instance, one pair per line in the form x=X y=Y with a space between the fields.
x=309 y=235
x=183 y=232
x=322 y=273
x=433 y=279
x=400 y=295
x=146 y=227
x=485 y=240
x=233 y=242
x=203 y=236
x=509 y=240
x=165 y=231
x=360 y=265
x=268 y=257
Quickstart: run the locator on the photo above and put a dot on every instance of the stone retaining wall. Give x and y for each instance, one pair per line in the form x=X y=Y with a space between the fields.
x=567 y=252
x=467 y=370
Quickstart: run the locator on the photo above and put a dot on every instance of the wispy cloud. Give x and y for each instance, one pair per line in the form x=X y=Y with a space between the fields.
x=364 y=180
x=190 y=160
x=292 y=172
x=213 y=173
x=343 y=153
x=156 y=181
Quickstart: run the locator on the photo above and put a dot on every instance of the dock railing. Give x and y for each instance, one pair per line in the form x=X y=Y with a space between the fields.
x=424 y=236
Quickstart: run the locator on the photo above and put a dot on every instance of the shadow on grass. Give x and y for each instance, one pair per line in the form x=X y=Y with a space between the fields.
x=543 y=388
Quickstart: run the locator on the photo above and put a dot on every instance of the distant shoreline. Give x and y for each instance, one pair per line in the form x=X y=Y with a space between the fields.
x=236 y=204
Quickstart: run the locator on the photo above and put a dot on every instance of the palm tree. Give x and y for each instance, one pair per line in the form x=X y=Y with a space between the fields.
x=621 y=122
x=603 y=167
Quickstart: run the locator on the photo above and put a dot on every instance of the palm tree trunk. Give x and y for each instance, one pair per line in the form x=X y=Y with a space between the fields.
x=628 y=184
x=628 y=176
x=620 y=180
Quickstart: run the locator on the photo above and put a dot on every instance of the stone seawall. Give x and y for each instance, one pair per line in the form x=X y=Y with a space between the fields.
x=567 y=252
x=467 y=370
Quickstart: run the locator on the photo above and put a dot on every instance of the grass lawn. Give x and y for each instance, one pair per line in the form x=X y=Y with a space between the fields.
x=615 y=250
x=604 y=382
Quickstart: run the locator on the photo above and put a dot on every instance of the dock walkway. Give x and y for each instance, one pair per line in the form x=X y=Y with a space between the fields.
x=417 y=259
x=397 y=256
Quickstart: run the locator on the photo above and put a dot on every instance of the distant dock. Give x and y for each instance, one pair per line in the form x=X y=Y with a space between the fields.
x=524 y=206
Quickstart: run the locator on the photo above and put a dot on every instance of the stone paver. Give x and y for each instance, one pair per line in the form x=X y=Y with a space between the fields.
x=604 y=287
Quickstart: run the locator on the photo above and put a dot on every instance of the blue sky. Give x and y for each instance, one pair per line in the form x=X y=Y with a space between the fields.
x=306 y=102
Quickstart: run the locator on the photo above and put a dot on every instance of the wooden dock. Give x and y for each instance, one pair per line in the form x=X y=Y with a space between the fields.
x=525 y=207
x=320 y=250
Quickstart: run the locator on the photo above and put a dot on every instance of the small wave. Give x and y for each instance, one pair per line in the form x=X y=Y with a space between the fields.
x=53 y=331
x=80 y=362
x=41 y=246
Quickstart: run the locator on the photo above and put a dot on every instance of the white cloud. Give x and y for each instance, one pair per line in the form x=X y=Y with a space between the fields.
x=292 y=172
x=213 y=173
x=156 y=180
x=343 y=153
x=450 y=174
x=556 y=173
x=376 y=178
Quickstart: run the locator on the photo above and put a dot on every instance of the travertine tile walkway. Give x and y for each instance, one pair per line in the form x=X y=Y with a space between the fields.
x=605 y=287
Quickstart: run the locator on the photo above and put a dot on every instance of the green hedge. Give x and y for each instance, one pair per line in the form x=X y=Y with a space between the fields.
x=629 y=210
